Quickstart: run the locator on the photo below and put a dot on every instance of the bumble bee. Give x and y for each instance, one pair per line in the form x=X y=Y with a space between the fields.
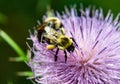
x=52 y=32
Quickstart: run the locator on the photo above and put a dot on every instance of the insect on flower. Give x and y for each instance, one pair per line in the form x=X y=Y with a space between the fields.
x=95 y=60
x=52 y=32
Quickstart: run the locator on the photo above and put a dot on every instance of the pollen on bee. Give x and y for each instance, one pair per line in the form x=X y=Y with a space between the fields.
x=50 y=47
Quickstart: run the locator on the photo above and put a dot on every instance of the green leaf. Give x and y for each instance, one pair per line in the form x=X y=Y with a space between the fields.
x=14 y=45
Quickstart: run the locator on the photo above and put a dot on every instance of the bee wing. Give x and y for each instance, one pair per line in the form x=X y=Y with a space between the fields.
x=41 y=31
x=41 y=27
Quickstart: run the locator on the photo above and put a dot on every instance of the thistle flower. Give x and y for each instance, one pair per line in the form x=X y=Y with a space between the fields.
x=96 y=59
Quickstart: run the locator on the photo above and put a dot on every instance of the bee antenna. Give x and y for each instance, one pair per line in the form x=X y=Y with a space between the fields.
x=74 y=41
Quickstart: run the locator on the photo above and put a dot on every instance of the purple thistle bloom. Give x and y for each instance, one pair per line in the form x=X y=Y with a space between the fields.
x=96 y=59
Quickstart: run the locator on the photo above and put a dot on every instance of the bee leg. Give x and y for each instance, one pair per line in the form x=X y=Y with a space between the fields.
x=42 y=39
x=65 y=56
x=56 y=54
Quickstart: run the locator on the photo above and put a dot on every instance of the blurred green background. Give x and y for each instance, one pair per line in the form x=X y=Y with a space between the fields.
x=18 y=16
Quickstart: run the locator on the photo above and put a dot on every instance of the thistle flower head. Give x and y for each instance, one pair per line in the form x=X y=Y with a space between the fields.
x=96 y=59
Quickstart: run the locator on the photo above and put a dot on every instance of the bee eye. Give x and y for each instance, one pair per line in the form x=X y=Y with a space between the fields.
x=61 y=25
x=49 y=24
